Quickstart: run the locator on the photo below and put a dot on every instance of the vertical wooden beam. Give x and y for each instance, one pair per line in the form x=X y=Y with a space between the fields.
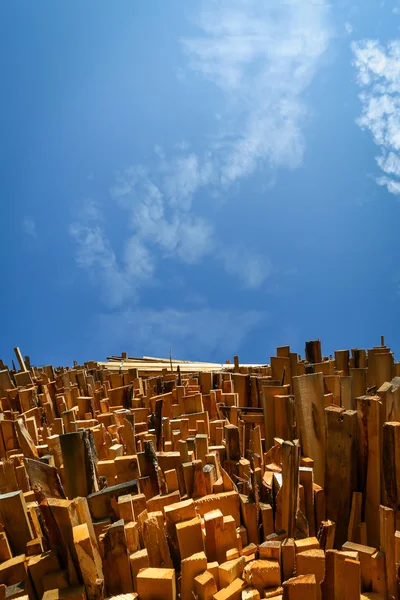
x=387 y=545
x=232 y=443
x=91 y=576
x=358 y=383
x=116 y=566
x=391 y=463
x=290 y=486
x=309 y=401
x=384 y=368
x=342 y=361
x=20 y=360
x=369 y=462
x=148 y=466
x=79 y=463
x=14 y=518
x=353 y=533
x=313 y=351
x=284 y=417
x=306 y=478
x=268 y=403
x=346 y=398
x=155 y=541
x=360 y=358
x=340 y=467
x=129 y=434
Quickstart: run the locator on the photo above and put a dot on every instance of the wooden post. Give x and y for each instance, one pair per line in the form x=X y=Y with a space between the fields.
x=25 y=441
x=20 y=360
x=290 y=486
x=77 y=450
x=358 y=382
x=268 y=403
x=129 y=434
x=284 y=417
x=368 y=408
x=309 y=400
x=342 y=577
x=340 y=467
x=91 y=576
x=384 y=368
x=342 y=361
x=148 y=466
x=116 y=567
x=156 y=543
x=353 y=533
x=44 y=479
x=191 y=567
x=359 y=357
x=387 y=545
x=306 y=478
x=301 y=587
x=232 y=443
x=391 y=463
x=378 y=574
x=313 y=351
x=156 y=583
x=14 y=518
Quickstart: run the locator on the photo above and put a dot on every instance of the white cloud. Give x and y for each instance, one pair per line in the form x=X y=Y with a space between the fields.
x=182 y=145
x=192 y=334
x=160 y=207
x=262 y=57
x=90 y=210
x=392 y=185
x=348 y=28
x=118 y=281
x=251 y=269
x=29 y=227
x=378 y=73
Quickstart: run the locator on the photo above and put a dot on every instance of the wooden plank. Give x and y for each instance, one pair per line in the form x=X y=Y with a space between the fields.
x=156 y=583
x=368 y=408
x=91 y=575
x=391 y=463
x=77 y=449
x=290 y=486
x=103 y=503
x=116 y=566
x=340 y=467
x=387 y=545
x=309 y=400
x=44 y=479
x=20 y=360
x=14 y=518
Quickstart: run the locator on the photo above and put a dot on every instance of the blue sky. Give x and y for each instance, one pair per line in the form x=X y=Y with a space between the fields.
x=216 y=177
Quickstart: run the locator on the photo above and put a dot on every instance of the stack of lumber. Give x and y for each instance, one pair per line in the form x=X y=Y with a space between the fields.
x=168 y=480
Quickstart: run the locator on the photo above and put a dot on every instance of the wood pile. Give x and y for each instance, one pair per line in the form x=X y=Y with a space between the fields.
x=157 y=479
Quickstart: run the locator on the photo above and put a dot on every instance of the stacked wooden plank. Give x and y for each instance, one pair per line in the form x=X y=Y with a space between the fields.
x=153 y=478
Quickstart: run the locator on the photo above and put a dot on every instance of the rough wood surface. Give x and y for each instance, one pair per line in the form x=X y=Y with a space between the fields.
x=230 y=481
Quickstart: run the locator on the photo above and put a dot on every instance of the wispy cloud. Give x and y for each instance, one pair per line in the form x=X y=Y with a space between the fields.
x=348 y=28
x=119 y=281
x=196 y=334
x=378 y=75
x=159 y=205
x=262 y=57
x=91 y=210
x=251 y=269
x=29 y=227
